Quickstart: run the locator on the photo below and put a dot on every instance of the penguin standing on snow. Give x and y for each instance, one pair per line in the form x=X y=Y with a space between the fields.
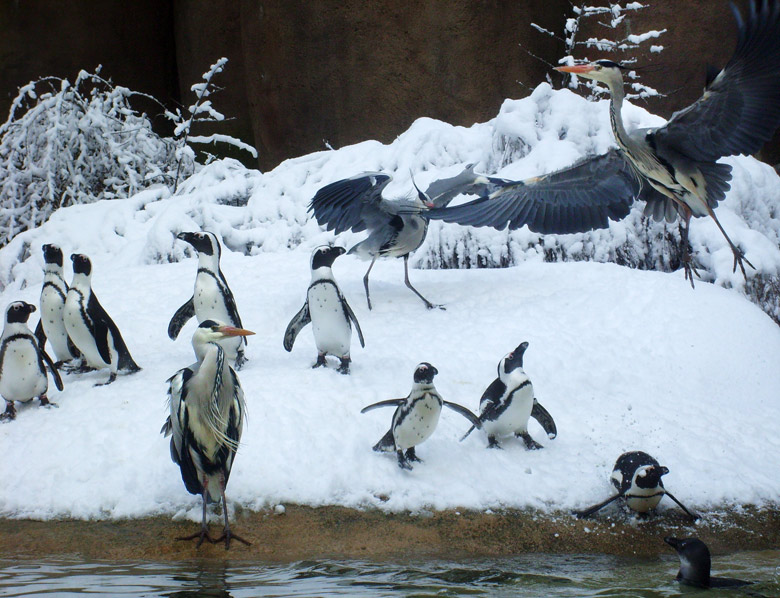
x=90 y=327
x=53 y=294
x=509 y=401
x=23 y=362
x=415 y=417
x=637 y=479
x=212 y=298
x=695 y=565
x=326 y=308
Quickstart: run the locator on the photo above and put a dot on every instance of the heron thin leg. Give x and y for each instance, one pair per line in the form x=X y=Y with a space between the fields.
x=365 y=281
x=203 y=534
x=685 y=225
x=739 y=256
x=428 y=304
x=227 y=535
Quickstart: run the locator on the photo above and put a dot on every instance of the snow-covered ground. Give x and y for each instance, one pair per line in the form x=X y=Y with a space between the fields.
x=623 y=359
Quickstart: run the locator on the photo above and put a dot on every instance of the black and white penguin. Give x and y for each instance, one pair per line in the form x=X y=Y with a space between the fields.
x=695 y=564
x=90 y=327
x=23 y=362
x=326 y=308
x=212 y=298
x=637 y=479
x=415 y=417
x=51 y=326
x=509 y=401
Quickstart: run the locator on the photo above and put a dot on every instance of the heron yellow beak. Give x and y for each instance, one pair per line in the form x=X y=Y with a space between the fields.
x=577 y=69
x=232 y=331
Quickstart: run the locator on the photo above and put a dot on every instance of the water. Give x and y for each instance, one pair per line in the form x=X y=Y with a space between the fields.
x=553 y=576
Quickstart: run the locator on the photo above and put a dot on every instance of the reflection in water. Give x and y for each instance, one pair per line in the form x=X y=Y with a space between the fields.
x=553 y=576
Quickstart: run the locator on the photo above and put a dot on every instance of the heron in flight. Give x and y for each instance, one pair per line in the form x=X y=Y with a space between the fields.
x=396 y=227
x=673 y=168
x=207 y=416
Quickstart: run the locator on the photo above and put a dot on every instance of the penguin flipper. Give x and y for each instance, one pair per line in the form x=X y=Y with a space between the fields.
x=100 y=332
x=40 y=335
x=74 y=351
x=103 y=325
x=544 y=418
x=386 y=444
x=52 y=368
x=690 y=514
x=299 y=321
x=180 y=318
x=465 y=413
x=353 y=317
x=590 y=510
x=387 y=403
x=230 y=304
x=470 y=430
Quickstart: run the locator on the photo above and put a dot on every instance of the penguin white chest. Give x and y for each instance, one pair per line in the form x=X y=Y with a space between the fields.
x=209 y=300
x=22 y=378
x=514 y=418
x=332 y=329
x=416 y=425
x=78 y=330
x=52 y=313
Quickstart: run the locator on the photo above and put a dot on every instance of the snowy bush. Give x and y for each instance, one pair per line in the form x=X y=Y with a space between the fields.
x=67 y=143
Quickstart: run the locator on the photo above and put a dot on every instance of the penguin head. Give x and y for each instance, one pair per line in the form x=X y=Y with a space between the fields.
x=205 y=243
x=81 y=264
x=513 y=360
x=424 y=373
x=324 y=256
x=52 y=254
x=18 y=312
x=695 y=561
x=649 y=476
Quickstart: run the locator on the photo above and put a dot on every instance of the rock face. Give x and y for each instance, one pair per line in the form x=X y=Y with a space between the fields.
x=304 y=75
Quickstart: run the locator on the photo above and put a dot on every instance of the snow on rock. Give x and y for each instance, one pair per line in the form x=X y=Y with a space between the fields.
x=623 y=359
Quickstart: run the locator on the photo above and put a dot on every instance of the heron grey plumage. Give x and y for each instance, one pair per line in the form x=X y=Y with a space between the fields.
x=206 y=420
x=673 y=168
x=396 y=228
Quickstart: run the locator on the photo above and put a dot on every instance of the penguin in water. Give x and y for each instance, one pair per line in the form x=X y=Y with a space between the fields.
x=415 y=417
x=90 y=327
x=51 y=326
x=695 y=563
x=509 y=401
x=23 y=362
x=212 y=298
x=637 y=479
x=326 y=308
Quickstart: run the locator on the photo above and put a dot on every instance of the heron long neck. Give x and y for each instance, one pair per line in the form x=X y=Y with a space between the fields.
x=617 y=95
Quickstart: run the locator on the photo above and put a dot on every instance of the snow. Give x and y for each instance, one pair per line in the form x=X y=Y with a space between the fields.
x=623 y=359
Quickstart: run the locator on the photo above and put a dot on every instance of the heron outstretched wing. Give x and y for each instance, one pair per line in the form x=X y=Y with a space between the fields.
x=580 y=198
x=740 y=108
x=350 y=203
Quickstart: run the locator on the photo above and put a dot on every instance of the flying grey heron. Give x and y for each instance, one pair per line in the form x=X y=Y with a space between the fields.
x=673 y=168
x=396 y=228
x=207 y=416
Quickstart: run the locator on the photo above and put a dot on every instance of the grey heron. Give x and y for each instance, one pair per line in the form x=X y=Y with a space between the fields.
x=673 y=168
x=396 y=228
x=207 y=416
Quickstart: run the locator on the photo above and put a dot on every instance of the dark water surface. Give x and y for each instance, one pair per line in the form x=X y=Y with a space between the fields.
x=527 y=575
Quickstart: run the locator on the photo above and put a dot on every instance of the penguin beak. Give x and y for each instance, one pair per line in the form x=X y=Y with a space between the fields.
x=30 y=308
x=338 y=250
x=664 y=470
x=673 y=542
x=233 y=331
x=184 y=236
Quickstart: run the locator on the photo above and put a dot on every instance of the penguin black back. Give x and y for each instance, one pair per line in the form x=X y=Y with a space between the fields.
x=628 y=463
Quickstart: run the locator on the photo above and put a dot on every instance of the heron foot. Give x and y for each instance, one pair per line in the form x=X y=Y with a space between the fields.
x=227 y=535
x=434 y=306
x=201 y=536
x=741 y=260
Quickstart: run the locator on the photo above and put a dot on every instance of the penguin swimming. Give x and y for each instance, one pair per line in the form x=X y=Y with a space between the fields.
x=695 y=565
x=23 y=362
x=637 y=478
x=90 y=327
x=326 y=308
x=212 y=298
x=415 y=417
x=53 y=293
x=509 y=401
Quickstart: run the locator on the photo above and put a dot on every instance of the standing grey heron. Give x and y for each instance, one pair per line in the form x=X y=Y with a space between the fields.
x=207 y=416
x=396 y=228
x=673 y=168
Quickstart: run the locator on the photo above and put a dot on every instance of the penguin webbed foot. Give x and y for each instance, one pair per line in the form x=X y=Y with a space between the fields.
x=111 y=379
x=402 y=461
x=344 y=367
x=493 y=443
x=530 y=443
x=412 y=456
x=45 y=402
x=9 y=414
x=320 y=362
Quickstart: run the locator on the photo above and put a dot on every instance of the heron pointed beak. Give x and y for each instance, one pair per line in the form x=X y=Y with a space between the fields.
x=233 y=331
x=577 y=69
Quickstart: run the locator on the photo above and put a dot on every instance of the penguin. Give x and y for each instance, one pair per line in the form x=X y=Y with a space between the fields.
x=326 y=308
x=637 y=479
x=90 y=327
x=415 y=417
x=509 y=401
x=53 y=293
x=212 y=298
x=695 y=563
x=23 y=362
